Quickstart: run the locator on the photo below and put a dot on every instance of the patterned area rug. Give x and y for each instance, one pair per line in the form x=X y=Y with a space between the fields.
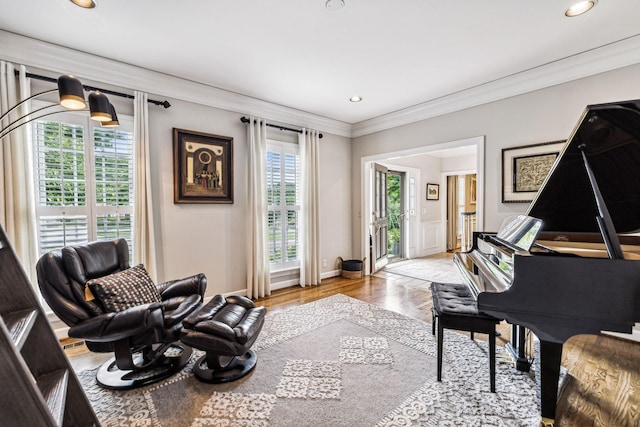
x=336 y=362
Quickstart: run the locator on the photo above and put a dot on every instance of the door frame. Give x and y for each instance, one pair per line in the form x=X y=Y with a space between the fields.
x=404 y=210
x=444 y=191
x=366 y=177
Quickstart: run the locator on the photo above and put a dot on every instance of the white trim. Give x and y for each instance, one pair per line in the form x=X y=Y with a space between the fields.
x=58 y=59
x=431 y=241
x=328 y=274
x=606 y=58
x=285 y=284
x=365 y=182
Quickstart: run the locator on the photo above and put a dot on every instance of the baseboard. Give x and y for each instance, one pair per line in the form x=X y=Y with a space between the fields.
x=328 y=274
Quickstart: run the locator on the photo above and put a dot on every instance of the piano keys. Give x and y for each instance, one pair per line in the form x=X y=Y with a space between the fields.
x=578 y=269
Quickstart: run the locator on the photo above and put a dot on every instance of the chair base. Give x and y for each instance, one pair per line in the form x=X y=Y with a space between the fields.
x=111 y=377
x=236 y=368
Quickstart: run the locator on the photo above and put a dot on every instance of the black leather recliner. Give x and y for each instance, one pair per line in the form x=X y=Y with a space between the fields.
x=144 y=338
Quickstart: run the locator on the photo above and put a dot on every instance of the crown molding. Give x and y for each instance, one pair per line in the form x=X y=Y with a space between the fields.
x=610 y=57
x=59 y=59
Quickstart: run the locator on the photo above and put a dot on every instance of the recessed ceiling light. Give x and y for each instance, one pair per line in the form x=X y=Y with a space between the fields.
x=87 y=4
x=334 y=5
x=355 y=98
x=580 y=8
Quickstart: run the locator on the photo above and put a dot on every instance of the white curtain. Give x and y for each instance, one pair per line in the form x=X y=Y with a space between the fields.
x=310 y=215
x=17 y=198
x=144 y=245
x=258 y=279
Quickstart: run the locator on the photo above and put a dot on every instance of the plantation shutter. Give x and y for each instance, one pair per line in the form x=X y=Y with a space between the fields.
x=283 y=199
x=61 y=180
x=274 y=217
x=292 y=205
x=84 y=181
x=113 y=168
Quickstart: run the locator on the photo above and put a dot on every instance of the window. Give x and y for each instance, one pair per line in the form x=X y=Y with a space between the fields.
x=283 y=198
x=84 y=181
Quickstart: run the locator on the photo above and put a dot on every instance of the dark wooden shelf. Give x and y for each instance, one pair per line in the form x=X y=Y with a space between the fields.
x=19 y=324
x=53 y=387
x=36 y=375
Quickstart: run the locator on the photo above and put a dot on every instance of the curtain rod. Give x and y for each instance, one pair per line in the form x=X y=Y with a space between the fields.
x=165 y=103
x=246 y=120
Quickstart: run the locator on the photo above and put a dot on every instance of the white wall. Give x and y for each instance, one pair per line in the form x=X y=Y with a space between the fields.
x=425 y=236
x=211 y=238
x=544 y=115
x=460 y=163
x=203 y=238
x=335 y=200
x=430 y=170
x=192 y=238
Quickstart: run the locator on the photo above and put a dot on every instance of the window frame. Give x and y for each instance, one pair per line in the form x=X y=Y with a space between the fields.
x=91 y=210
x=283 y=148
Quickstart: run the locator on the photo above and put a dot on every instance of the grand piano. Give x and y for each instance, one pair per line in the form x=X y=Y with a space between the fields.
x=571 y=264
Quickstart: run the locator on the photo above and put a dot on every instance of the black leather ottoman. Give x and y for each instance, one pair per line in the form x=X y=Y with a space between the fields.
x=225 y=328
x=455 y=307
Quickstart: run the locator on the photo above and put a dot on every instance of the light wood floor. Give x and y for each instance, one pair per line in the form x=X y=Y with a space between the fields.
x=603 y=387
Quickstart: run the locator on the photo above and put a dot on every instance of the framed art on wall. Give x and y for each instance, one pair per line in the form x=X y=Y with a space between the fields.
x=202 y=167
x=525 y=168
x=433 y=191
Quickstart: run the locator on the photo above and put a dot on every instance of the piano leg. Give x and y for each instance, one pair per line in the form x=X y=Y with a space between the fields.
x=550 y=358
x=517 y=348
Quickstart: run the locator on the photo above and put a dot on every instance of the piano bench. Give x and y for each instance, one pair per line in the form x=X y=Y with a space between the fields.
x=455 y=307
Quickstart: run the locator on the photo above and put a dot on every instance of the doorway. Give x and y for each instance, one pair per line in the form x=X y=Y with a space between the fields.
x=461 y=211
x=395 y=215
x=425 y=222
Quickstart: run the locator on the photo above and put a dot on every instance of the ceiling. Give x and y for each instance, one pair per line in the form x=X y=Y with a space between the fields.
x=297 y=54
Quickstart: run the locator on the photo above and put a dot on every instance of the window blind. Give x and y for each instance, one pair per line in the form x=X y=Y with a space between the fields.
x=84 y=181
x=283 y=198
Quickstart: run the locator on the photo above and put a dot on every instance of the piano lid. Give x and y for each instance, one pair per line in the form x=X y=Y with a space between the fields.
x=609 y=134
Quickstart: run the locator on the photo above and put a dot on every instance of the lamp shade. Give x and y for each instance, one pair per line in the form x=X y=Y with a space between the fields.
x=71 y=93
x=87 y=4
x=114 y=118
x=100 y=107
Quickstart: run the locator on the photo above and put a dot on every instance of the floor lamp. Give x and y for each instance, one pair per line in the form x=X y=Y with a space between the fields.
x=71 y=94
x=44 y=391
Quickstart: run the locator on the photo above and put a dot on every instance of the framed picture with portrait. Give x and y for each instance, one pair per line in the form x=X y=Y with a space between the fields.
x=202 y=167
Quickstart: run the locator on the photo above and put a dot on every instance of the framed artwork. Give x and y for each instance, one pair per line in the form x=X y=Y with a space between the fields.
x=472 y=190
x=525 y=168
x=433 y=191
x=202 y=167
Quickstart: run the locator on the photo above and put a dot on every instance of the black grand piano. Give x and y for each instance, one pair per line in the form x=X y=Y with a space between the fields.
x=571 y=264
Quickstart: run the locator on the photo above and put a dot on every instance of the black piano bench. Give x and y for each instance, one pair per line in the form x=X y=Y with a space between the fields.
x=455 y=307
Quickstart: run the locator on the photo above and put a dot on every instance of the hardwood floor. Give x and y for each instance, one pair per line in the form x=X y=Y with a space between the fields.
x=395 y=294
x=603 y=383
